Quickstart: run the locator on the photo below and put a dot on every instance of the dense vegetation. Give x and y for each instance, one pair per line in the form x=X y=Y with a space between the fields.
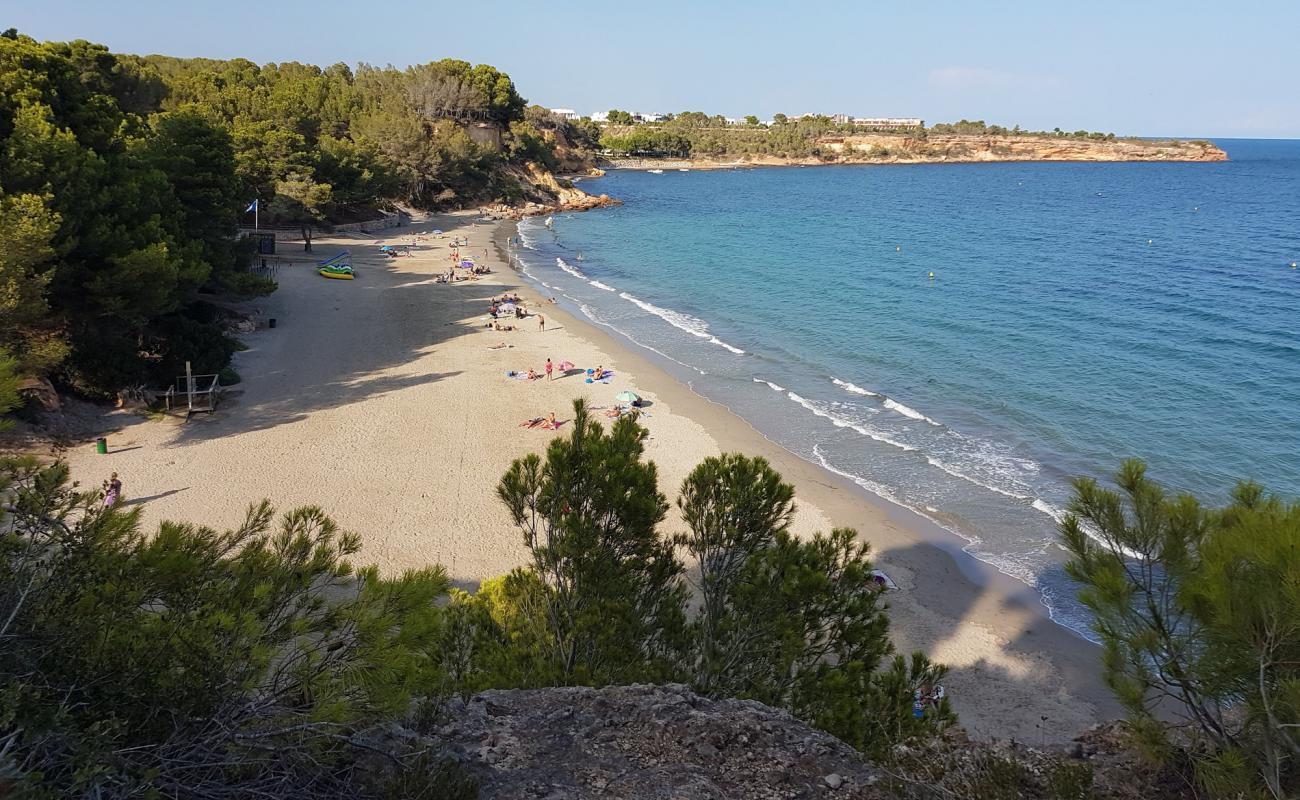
x=206 y=664
x=699 y=134
x=1198 y=610
x=123 y=178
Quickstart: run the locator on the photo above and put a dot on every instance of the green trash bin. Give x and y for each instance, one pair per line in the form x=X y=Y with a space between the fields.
x=101 y=446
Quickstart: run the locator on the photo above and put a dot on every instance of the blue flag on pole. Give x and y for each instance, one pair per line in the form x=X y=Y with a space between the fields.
x=251 y=207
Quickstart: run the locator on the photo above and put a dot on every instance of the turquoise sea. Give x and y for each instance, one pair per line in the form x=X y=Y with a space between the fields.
x=1078 y=314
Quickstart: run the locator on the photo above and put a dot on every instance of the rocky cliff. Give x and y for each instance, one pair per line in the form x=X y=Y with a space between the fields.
x=668 y=743
x=543 y=193
x=643 y=742
x=904 y=148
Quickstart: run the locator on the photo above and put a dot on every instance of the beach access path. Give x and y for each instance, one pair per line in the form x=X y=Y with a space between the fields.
x=382 y=401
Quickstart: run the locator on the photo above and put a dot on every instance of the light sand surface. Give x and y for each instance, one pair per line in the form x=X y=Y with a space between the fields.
x=379 y=400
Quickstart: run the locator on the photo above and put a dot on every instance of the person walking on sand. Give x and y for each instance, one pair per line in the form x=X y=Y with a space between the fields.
x=112 y=491
x=549 y=367
x=541 y=323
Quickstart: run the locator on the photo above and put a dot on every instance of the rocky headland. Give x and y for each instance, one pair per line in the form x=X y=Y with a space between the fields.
x=911 y=148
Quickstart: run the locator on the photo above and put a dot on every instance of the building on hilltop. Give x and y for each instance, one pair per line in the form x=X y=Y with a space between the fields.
x=648 y=117
x=888 y=123
x=600 y=116
x=564 y=113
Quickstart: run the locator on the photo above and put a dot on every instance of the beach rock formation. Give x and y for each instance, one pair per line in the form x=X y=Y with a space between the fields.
x=567 y=196
x=643 y=742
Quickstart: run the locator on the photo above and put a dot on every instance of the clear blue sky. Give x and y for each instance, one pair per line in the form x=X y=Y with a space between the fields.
x=1142 y=67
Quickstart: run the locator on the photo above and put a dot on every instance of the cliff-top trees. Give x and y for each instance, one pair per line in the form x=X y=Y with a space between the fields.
x=1199 y=615
x=254 y=662
x=113 y=220
x=588 y=515
x=122 y=180
x=795 y=623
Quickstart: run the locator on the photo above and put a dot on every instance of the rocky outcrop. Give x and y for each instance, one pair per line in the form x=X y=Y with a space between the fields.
x=644 y=743
x=567 y=196
x=903 y=148
x=886 y=148
x=666 y=742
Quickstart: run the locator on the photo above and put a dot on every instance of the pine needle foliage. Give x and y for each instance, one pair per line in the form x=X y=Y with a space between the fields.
x=1198 y=610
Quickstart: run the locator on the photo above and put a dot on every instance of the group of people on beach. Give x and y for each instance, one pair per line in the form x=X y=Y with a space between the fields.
x=541 y=423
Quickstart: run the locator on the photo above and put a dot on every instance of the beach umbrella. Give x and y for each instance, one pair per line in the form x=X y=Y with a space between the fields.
x=628 y=397
x=565 y=365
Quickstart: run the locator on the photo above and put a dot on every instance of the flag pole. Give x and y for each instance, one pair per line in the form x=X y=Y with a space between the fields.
x=255 y=214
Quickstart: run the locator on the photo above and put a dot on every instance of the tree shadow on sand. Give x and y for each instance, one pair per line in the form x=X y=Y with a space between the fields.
x=325 y=354
x=1046 y=690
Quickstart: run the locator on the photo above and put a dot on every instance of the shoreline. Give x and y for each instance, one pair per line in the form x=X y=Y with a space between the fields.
x=402 y=426
x=939 y=578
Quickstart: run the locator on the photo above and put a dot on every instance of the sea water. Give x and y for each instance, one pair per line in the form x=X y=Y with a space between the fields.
x=965 y=339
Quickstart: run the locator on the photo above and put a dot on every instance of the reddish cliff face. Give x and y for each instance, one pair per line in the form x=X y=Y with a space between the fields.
x=903 y=149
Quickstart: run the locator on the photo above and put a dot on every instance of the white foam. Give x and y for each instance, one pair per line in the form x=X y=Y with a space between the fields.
x=590 y=313
x=770 y=385
x=1007 y=566
x=956 y=473
x=525 y=228
x=908 y=411
x=595 y=317
x=564 y=265
x=1048 y=509
x=600 y=285
x=840 y=422
x=870 y=486
x=848 y=387
x=685 y=322
x=720 y=343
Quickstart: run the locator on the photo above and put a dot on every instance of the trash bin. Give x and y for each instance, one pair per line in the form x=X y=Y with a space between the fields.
x=101 y=446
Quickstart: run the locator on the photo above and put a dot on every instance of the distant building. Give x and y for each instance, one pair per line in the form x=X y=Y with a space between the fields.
x=600 y=116
x=889 y=123
x=644 y=117
x=841 y=119
x=565 y=113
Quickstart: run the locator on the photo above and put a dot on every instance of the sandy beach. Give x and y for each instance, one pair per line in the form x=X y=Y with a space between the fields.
x=383 y=401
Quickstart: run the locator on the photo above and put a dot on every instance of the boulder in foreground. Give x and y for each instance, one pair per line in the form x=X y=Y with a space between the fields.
x=642 y=742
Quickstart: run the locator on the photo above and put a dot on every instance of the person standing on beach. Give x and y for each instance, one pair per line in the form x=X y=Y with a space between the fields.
x=541 y=323
x=549 y=367
x=112 y=491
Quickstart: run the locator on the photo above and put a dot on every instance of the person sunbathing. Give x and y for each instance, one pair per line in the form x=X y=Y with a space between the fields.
x=551 y=424
x=532 y=376
x=615 y=412
x=533 y=423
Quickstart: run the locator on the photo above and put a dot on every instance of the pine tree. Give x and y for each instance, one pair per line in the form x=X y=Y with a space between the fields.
x=588 y=514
